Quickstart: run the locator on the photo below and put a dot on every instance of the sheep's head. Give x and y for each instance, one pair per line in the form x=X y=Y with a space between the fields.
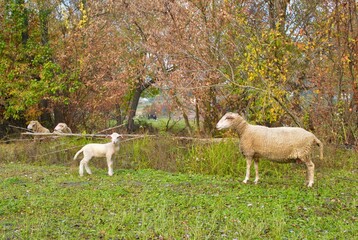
x=227 y=120
x=62 y=128
x=33 y=125
x=115 y=137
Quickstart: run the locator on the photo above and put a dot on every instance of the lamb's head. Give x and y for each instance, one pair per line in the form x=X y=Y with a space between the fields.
x=115 y=137
x=33 y=125
x=228 y=120
x=62 y=128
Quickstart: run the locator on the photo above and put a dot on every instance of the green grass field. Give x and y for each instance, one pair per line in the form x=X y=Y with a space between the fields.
x=168 y=188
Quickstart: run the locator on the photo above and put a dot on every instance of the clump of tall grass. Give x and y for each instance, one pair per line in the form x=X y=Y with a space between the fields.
x=182 y=155
x=152 y=152
x=58 y=150
x=221 y=158
x=164 y=152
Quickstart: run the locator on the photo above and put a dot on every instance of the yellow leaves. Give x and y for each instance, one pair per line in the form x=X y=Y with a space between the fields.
x=84 y=16
x=300 y=46
x=346 y=59
x=65 y=16
x=265 y=70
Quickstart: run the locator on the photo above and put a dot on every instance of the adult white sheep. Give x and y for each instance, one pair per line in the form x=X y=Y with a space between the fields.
x=99 y=150
x=282 y=144
x=36 y=127
x=62 y=128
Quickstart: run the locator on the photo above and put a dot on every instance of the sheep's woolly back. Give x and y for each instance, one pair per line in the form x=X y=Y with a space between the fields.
x=37 y=127
x=99 y=150
x=280 y=143
x=62 y=128
x=277 y=143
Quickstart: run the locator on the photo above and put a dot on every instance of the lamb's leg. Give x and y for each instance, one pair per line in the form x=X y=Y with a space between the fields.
x=248 y=165
x=81 y=167
x=310 y=172
x=84 y=164
x=88 y=170
x=256 y=164
x=110 y=165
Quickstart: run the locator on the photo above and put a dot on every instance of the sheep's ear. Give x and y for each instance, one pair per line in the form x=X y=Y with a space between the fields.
x=242 y=113
x=231 y=115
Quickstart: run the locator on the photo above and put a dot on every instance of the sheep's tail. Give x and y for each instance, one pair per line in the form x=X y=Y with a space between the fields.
x=76 y=155
x=320 y=144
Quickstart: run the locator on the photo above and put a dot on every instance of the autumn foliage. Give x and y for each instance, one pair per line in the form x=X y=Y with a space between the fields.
x=88 y=62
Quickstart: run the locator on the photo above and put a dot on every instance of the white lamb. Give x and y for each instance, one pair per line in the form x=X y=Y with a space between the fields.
x=282 y=144
x=36 y=127
x=99 y=150
x=62 y=128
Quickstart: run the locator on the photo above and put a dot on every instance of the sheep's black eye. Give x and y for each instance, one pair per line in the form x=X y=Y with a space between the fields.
x=229 y=117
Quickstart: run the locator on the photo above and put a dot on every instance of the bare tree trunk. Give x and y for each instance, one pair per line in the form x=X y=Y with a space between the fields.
x=58 y=114
x=187 y=123
x=185 y=116
x=43 y=15
x=211 y=111
x=46 y=115
x=119 y=117
x=197 y=116
x=353 y=29
x=25 y=22
x=277 y=14
x=133 y=108
x=134 y=102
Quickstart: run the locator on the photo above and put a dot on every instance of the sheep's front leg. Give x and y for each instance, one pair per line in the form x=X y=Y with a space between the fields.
x=110 y=165
x=248 y=166
x=310 y=172
x=256 y=164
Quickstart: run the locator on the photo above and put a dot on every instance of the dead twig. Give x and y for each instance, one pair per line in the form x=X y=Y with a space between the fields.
x=28 y=130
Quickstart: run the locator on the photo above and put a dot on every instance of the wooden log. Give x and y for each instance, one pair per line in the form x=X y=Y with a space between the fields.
x=128 y=136
x=82 y=135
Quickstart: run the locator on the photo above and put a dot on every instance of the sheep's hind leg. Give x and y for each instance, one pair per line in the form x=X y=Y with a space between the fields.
x=81 y=168
x=256 y=164
x=84 y=164
x=310 y=172
x=88 y=170
x=248 y=166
